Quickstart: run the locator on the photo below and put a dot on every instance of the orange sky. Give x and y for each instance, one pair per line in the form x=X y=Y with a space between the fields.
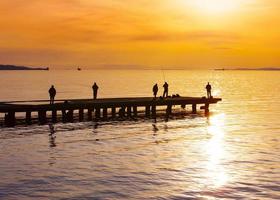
x=140 y=34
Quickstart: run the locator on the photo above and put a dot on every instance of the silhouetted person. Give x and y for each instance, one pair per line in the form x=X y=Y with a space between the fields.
x=52 y=93
x=165 y=90
x=95 y=89
x=155 y=90
x=208 y=89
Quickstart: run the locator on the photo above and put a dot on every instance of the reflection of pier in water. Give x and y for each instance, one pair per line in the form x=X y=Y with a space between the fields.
x=39 y=111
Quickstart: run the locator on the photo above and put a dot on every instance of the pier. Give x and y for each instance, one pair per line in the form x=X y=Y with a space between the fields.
x=71 y=110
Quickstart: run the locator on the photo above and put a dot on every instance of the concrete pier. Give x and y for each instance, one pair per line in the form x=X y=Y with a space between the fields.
x=103 y=109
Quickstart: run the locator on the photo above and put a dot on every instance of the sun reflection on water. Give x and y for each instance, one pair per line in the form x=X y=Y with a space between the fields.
x=216 y=172
x=216 y=93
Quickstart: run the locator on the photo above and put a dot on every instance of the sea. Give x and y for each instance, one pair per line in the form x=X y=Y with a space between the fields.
x=232 y=153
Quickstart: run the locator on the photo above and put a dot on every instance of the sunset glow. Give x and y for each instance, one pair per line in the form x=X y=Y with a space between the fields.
x=140 y=34
x=217 y=6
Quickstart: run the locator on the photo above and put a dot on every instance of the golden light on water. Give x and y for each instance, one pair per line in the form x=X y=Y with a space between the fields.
x=215 y=151
x=216 y=93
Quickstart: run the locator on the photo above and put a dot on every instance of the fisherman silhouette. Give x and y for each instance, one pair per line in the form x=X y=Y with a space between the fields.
x=155 y=90
x=95 y=89
x=165 y=91
x=52 y=93
x=208 y=89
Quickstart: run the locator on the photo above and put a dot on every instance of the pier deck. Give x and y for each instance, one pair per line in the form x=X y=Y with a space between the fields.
x=118 y=107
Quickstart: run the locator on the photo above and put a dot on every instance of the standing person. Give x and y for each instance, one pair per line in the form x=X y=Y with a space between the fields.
x=208 y=89
x=155 y=90
x=52 y=93
x=95 y=89
x=165 y=90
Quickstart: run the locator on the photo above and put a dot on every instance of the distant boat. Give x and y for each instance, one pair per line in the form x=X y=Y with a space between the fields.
x=79 y=69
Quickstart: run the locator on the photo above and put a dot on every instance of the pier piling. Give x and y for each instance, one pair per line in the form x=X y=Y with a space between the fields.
x=194 y=110
x=70 y=116
x=97 y=113
x=42 y=114
x=134 y=111
x=129 y=109
x=89 y=114
x=168 y=110
x=206 y=108
x=10 y=119
x=81 y=114
x=105 y=113
x=148 y=111
x=54 y=116
x=122 y=112
x=113 y=112
x=154 y=111
x=28 y=118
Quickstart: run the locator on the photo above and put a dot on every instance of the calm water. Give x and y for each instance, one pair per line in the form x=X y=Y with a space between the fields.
x=233 y=153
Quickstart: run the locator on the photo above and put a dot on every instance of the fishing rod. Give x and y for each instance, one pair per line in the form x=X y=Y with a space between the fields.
x=163 y=74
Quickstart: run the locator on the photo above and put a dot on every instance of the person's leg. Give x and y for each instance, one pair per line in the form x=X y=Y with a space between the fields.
x=95 y=95
x=165 y=93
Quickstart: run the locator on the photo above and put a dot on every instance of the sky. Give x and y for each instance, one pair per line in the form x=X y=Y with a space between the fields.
x=150 y=34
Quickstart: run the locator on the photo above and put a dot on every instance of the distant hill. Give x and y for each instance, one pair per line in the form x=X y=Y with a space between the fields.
x=13 y=67
x=251 y=69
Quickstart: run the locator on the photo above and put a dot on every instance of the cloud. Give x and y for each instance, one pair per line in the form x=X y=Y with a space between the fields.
x=223 y=48
x=209 y=37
